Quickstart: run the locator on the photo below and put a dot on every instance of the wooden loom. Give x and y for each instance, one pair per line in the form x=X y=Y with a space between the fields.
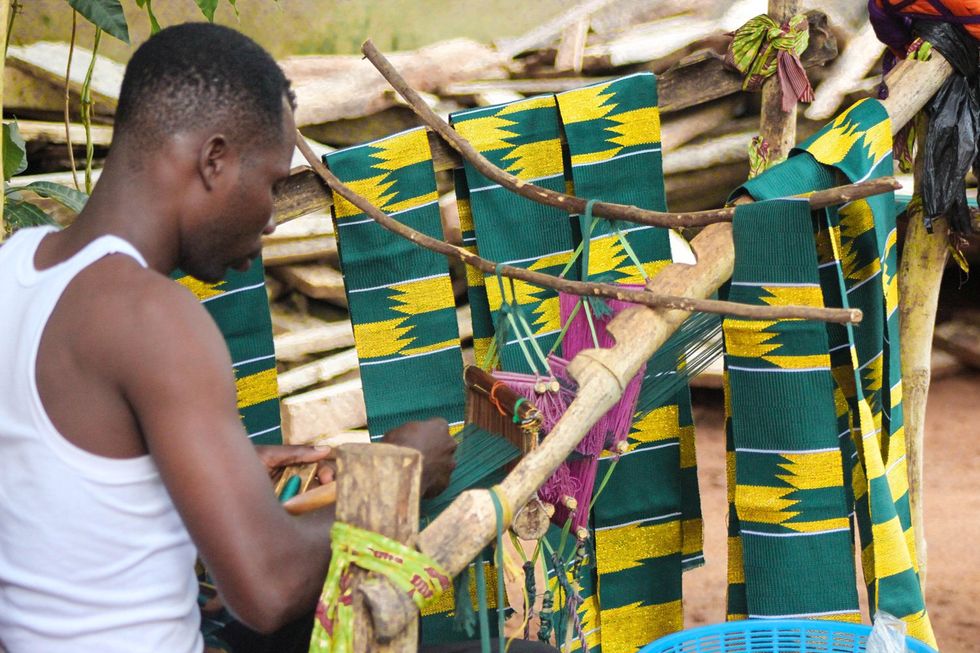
x=385 y=613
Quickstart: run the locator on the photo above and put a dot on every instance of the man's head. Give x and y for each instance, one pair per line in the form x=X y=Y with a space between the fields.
x=211 y=112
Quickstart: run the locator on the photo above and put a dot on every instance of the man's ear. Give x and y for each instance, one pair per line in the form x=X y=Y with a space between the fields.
x=213 y=160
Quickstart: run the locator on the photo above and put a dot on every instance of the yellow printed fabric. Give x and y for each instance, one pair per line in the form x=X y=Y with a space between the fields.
x=857 y=264
x=647 y=519
x=399 y=295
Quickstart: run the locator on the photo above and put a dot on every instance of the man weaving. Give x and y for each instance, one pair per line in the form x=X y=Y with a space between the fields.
x=122 y=454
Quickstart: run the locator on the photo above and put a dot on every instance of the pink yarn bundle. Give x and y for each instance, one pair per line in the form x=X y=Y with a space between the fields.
x=612 y=428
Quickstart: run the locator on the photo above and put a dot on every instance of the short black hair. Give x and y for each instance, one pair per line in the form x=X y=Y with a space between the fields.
x=199 y=74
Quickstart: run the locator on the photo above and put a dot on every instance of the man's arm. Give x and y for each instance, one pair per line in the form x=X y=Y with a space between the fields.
x=269 y=566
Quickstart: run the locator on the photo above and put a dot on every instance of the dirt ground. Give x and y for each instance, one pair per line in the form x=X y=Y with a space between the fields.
x=952 y=500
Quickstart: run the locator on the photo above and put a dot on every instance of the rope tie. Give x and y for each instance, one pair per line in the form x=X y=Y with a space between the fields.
x=762 y=48
x=413 y=572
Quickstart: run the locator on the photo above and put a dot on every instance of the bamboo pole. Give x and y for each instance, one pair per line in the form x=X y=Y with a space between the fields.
x=920 y=273
x=602 y=374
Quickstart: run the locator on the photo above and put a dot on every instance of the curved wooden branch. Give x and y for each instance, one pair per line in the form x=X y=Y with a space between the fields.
x=568 y=203
x=563 y=201
x=582 y=288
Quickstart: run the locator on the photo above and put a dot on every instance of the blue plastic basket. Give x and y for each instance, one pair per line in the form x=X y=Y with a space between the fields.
x=773 y=636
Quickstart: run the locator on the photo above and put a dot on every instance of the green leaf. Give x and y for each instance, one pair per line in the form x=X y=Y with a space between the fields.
x=18 y=215
x=14 y=151
x=148 y=5
x=207 y=8
x=105 y=14
x=64 y=195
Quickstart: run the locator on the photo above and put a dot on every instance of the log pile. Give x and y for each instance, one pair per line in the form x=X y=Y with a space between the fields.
x=707 y=120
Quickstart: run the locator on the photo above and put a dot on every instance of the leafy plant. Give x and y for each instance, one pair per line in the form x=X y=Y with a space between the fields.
x=17 y=211
x=107 y=16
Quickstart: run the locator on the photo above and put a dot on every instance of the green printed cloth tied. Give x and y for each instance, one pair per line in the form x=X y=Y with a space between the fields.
x=761 y=48
x=413 y=572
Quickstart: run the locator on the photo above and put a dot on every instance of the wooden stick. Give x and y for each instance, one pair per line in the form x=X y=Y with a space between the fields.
x=920 y=273
x=778 y=127
x=696 y=81
x=601 y=374
x=315 y=499
x=582 y=288
x=563 y=201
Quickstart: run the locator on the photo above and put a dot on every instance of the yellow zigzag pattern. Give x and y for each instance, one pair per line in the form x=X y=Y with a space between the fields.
x=805 y=471
x=793 y=296
x=606 y=254
x=631 y=627
x=201 y=289
x=388 y=337
x=395 y=153
x=628 y=546
x=256 y=388
x=832 y=147
x=423 y=295
x=748 y=338
x=530 y=160
x=584 y=104
x=402 y=150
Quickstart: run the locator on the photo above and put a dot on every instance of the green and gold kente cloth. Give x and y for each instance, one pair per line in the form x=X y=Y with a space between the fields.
x=240 y=307
x=522 y=138
x=858 y=268
x=399 y=295
x=651 y=500
x=789 y=499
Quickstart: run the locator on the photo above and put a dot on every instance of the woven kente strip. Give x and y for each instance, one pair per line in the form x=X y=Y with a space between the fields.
x=522 y=138
x=613 y=135
x=793 y=513
x=856 y=246
x=399 y=295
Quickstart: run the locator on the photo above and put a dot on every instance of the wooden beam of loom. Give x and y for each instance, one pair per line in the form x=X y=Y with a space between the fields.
x=588 y=288
x=697 y=81
x=602 y=374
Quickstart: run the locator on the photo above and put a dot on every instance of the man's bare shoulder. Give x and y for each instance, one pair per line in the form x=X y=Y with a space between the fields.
x=138 y=311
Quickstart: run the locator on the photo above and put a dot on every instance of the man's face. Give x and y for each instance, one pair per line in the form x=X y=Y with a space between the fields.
x=240 y=211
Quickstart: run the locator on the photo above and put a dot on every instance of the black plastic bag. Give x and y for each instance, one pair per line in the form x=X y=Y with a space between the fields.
x=954 y=127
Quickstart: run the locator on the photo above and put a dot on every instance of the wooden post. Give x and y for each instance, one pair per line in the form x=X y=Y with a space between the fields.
x=920 y=273
x=777 y=127
x=378 y=490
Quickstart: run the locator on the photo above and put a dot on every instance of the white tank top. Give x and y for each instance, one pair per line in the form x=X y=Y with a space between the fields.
x=93 y=555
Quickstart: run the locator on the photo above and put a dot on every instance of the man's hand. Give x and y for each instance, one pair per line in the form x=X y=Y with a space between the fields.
x=432 y=439
x=275 y=457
